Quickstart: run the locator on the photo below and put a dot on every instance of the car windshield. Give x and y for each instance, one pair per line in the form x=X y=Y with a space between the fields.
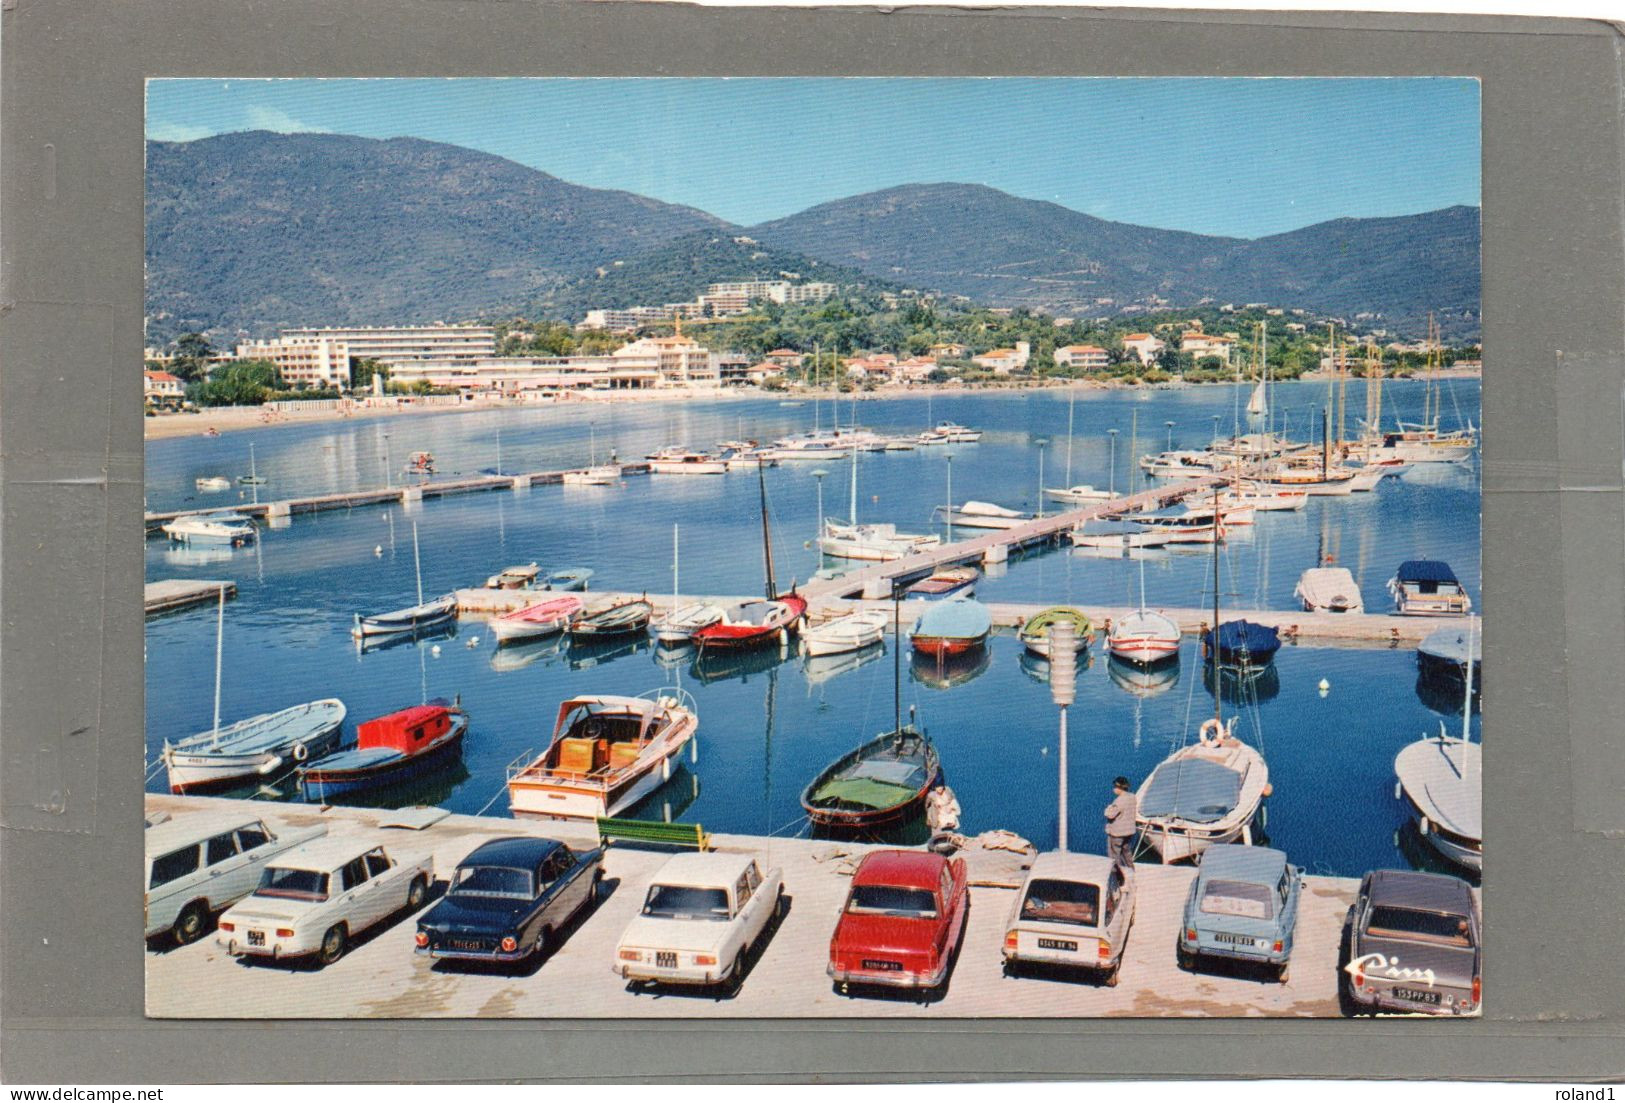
x=1410 y=925
x=685 y=902
x=1238 y=898
x=492 y=881
x=299 y=884
x=1062 y=902
x=892 y=900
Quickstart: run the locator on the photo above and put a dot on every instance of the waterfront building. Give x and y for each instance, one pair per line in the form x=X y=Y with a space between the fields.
x=1005 y=361
x=160 y=388
x=785 y=358
x=1201 y=345
x=1083 y=357
x=948 y=351
x=322 y=357
x=1144 y=346
x=302 y=359
x=678 y=361
x=513 y=375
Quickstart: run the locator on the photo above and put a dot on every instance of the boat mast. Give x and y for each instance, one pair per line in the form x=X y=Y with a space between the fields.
x=853 y=506
x=674 y=589
x=1071 y=402
x=1467 y=700
x=219 y=641
x=417 y=562
x=896 y=658
x=815 y=387
x=767 y=542
x=1217 y=686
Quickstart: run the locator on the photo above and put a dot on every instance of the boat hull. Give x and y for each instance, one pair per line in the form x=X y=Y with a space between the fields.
x=319 y=784
x=200 y=772
x=520 y=631
x=946 y=647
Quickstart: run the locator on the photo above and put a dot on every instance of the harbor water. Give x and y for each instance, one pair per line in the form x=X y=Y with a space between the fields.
x=768 y=723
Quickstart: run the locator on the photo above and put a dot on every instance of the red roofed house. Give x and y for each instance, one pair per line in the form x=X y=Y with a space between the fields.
x=1205 y=344
x=163 y=389
x=1086 y=357
x=1144 y=346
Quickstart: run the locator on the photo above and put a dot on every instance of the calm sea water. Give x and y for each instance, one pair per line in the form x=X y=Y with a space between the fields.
x=768 y=726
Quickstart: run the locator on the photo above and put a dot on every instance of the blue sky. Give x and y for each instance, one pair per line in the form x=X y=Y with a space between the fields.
x=1222 y=156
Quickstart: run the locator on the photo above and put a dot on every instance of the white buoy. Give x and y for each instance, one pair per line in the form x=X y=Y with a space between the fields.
x=435 y=650
x=1325 y=687
x=378 y=550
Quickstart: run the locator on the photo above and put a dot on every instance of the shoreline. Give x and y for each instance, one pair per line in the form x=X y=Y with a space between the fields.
x=234 y=419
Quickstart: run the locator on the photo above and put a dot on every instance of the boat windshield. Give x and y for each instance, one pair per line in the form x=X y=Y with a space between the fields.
x=686 y=902
x=1411 y=925
x=1238 y=898
x=493 y=881
x=296 y=884
x=892 y=900
x=1062 y=902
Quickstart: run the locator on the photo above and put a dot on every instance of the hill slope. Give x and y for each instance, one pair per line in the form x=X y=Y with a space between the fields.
x=257 y=230
x=1001 y=249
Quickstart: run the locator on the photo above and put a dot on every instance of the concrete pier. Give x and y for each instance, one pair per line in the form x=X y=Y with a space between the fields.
x=381 y=977
x=169 y=594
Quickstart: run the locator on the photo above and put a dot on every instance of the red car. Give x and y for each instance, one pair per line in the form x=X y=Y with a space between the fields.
x=901 y=922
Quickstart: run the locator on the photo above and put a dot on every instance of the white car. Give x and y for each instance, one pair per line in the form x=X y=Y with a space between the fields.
x=702 y=916
x=1073 y=910
x=311 y=901
x=200 y=862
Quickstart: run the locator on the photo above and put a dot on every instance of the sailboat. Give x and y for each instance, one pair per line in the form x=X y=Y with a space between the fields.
x=683 y=619
x=594 y=474
x=259 y=747
x=1207 y=792
x=880 y=542
x=1423 y=442
x=253 y=478
x=1144 y=637
x=754 y=623
x=1441 y=779
x=425 y=614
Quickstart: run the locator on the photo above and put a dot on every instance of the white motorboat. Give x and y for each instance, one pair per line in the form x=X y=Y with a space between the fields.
x=606 y=754
x=749 y=459
x=876 y=542
x=213 y=483
x=1079 y=495
x=513 y=578
x=1228 y=515
x=954 y=433
x=852 y=632
x=602 y=475
x=1428 y=587
x=983 y=515
x=217 y=529
x=1441 y=779
x=1121 y=539
x=680 y=461
x=1262 y=499
x=1329 y=590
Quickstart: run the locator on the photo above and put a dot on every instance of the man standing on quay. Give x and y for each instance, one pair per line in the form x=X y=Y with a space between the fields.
x=1120 y=815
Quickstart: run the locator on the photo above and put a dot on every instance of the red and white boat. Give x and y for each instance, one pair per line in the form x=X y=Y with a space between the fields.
x=607 y=753
x=952 y=627
x=545 y=618
x=756 y=623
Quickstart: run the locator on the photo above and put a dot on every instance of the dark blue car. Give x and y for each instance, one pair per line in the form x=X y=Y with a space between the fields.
x=509 y=900
x=1243 y=906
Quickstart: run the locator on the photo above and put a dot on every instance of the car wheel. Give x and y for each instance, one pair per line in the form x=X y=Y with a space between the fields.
x=736 y=975
x=1187 y=960
x=332 y=944
x=416 y=894
x=778 y=904
x=190 y=924
x=1111 y=977
x=1285 y=972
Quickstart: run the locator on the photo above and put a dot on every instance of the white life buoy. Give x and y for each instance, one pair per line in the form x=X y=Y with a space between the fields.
x=1211 y=732
x=300 y=752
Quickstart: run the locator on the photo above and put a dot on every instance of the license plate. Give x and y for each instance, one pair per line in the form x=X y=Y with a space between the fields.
x=1416 y=995
x=883 y=966
x=256 y=938
x=1236 y=939
x=465 y=944
x=666 y=959
x=1057 y=944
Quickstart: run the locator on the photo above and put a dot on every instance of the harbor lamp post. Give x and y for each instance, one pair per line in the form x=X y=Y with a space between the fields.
x=1041 y=442
x=389 y=475
x=1063 y=689
x=1111 y=488
x=949 y=515
x=1170 y=435
x=819 y=475
x=1215 y=426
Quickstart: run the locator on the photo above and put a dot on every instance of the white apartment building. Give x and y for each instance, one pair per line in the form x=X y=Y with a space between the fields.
x=678 y=361
x=1083 y=357
x=1144 y=346
x=511 y=375
x=1005 y=361
x=1200 y=345
x=322 y=357
x=311 y=361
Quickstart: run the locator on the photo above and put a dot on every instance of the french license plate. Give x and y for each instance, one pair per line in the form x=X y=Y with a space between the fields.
x=1057 y=944
x=883 y=966
x=666 y=959
x=1416 y=995
x=256 y=938
x=473 y=944
x=1236 y=939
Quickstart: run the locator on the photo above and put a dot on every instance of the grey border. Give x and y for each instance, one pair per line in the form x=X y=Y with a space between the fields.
x=70 y=498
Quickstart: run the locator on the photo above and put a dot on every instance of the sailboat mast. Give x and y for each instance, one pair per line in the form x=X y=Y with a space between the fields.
x=1467 y=700
x=219 y=651
x=1217 y=688
x=815 y=386
x=417 y=562
x=767 y=542
x=1071 y=402
x=896 y=658
x=674 y=588
x=853 y=505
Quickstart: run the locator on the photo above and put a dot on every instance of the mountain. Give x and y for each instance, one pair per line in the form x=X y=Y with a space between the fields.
x=680 y=270
x=1003 y=250
x=256 y=230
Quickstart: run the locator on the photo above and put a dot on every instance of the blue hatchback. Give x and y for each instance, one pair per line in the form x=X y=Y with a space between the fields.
x=1243 y=906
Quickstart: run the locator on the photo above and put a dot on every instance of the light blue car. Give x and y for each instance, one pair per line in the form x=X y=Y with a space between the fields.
x=1243 y=906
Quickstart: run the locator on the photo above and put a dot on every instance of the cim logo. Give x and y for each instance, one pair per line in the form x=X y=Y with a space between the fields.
x=1381 y=965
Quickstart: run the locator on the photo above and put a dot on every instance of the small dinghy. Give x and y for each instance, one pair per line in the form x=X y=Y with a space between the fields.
x=849 y=633
x=945 y=582
x=1441 y=778
x=258 y=748
x=1205 y=793
x=571 y=580
x=756 y=623
x=389 y=749
x=415 y=619
x=513 y=578
x=615 y=618
x=1329 y=590
x=1144 y=638
x=1243 y=643
x=545 y=618
x=678 y=626
x=885 y=781
x=1035 y=633
x=951 y=627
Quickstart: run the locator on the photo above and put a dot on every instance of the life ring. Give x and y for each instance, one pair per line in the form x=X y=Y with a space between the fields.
x=1211 y=732
x=300 y=752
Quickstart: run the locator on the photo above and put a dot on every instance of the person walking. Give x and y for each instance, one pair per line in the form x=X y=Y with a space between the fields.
x=1120 y=825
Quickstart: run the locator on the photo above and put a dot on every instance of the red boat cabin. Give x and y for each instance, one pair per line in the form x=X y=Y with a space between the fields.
x=407 y=731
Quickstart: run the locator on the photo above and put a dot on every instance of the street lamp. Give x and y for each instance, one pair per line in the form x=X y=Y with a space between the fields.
x=1170 y=435
x=1041 y=442
x=1111 y=489
x=1063 y=673
x=819 y=475
x=1215 y=426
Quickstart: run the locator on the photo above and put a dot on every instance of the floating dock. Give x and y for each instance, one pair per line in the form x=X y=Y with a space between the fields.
x=169 y=594
x=381 y=977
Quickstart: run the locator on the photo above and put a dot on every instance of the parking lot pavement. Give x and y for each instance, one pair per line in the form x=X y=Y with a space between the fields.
x=381 y=976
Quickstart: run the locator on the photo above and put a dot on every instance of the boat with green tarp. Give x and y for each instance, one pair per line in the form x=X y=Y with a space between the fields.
x=882 y=782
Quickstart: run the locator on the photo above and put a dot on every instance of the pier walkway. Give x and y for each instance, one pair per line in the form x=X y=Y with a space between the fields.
x=167 y=594
x=381 y=976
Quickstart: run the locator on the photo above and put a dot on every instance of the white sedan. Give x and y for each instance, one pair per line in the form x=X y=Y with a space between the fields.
x=703 y=915
x=311 y=901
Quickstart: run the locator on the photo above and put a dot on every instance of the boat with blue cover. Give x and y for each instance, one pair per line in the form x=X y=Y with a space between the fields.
x=951 y=627
x=1243 y=643
x=1446 y=651
x=1428 y=587
x=390 y=749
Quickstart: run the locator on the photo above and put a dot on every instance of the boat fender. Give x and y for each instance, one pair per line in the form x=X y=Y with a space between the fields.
x=300 y=752
x=1211 y=732
x=1399 y=790
x=1423 y=826
x=1269 y=789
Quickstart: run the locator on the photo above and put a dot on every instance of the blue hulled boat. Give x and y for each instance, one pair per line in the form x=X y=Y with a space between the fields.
x=1243 y=643
x=389 y=750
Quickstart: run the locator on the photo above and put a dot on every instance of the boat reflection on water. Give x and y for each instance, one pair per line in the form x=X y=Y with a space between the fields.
x=1244 y=685
x=520 y=655
x=1143 y=681
x=671 y=800
x=722 y=665
x=195 y=555
x=427 y=790
x=1442 y=694
x=948 y=671
x=676 y=656
x=818 y=669
x=424 y=637
x=910 y=832
x=1036 y=667
x=586 y=653
x=1416 y=850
